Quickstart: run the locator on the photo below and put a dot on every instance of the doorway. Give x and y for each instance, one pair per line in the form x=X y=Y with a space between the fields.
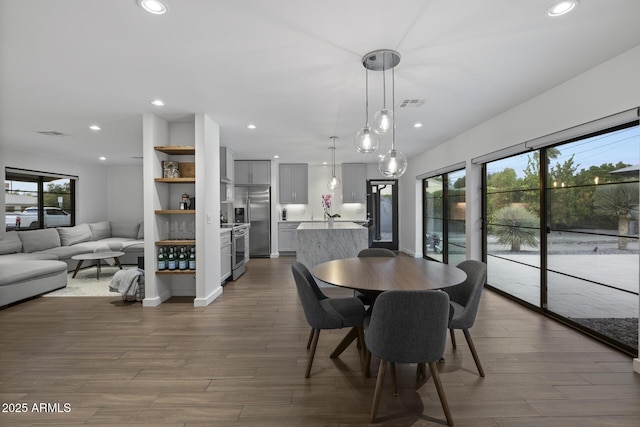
x=382 y=213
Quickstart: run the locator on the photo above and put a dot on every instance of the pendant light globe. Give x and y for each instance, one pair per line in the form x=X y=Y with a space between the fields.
x=393 y=164
x=383 y=120
x=367 y=140
x=334 y=181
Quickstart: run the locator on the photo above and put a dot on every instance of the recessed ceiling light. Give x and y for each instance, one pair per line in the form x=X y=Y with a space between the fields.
x=251 y=126
x=153 y=6
x=324 y=163
x=103 y=158
x=95 y=127
x=157 y=102
x=276 y=156
x=417 y=125
x=562 y=7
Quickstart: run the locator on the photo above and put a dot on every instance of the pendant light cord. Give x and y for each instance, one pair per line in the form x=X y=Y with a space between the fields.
x=366 y=98
x=384 y=81
x=393 y=108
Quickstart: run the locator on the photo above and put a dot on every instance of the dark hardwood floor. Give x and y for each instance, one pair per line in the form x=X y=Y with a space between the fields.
x=241 y=362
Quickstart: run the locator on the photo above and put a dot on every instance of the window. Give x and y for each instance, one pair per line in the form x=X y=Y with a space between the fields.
x=32 y=195
x=444 y=210
x=572 y=249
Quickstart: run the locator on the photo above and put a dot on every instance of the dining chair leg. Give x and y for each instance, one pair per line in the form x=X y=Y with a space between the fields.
x=443 y=398
x=474 y=353
x=394 y=384
x=362 y=346
x=453 y=338
x=367 y=364
x=314 y=344
x=378 y=391
x=421 y=371
x=311 y=334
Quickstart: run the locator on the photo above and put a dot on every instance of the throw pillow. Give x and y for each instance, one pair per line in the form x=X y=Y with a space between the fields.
x=100 y=230
x=39 y=240
x=72 y=235
x=10 y=243
x=124 y=229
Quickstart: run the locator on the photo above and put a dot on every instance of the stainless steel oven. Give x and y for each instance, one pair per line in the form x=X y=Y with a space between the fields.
x=240 y=250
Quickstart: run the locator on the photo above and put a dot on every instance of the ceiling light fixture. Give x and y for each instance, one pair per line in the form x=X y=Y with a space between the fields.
x=153 y=6
x=393 y=164
x=157 y=102
x=417 y=125
x=562 y=8
x=334 y=181
x=95 y=127
x=367 y=138
x=103 y=158
x=251 y=126
x=383 y=119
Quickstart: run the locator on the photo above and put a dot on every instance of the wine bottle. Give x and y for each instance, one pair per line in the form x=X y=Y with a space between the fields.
x=162 y=260
x=172 y=259
x=183 y=262
x=192 y=259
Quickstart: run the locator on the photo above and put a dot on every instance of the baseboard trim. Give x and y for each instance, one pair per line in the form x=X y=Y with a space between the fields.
x=203 y=302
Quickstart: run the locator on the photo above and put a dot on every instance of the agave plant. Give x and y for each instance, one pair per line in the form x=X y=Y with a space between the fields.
x=516 y=226
x=621 y=201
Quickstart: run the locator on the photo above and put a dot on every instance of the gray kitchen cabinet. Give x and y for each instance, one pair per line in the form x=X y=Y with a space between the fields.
x=294 y=183
x=287 y=236
x=354 y=184
x=226 y=165
x=252 y=172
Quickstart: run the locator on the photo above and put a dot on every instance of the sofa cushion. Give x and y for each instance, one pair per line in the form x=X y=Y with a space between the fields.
x=124 y=229
x=72 y=235
x=39 y=240
x=113 y=244
x=100 y=230
x=65 y=252
x=24 y=270
x=21 y=256
x=10 y=243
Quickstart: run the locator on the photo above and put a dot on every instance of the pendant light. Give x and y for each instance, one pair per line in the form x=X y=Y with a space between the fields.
x=383 y=119
x=334 y=181
x=367 y=138
x=394 y=163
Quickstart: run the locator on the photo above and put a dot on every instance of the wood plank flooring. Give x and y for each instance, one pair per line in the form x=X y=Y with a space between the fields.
x=241 y=362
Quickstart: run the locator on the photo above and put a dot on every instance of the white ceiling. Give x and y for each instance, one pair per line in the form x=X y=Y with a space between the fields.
x=292 y=67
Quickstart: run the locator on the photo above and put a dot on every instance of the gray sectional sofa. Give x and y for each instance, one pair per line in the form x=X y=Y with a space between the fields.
x=34 y=262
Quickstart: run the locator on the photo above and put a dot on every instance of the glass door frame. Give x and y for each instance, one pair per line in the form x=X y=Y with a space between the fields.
x=373 y=214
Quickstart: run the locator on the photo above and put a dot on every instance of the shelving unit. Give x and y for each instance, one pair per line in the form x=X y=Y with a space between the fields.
x=177 y=150
x=192 y=142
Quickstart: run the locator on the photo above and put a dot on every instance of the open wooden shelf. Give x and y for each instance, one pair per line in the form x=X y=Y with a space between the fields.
x=175 y=211
x=176 y=272
x=177 y=150
x=175 y=242
x=176 y=180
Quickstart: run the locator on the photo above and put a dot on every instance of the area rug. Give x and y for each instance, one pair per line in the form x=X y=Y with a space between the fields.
x=85 y=284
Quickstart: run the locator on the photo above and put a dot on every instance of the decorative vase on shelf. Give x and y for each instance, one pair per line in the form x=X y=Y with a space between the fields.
x=330 y=220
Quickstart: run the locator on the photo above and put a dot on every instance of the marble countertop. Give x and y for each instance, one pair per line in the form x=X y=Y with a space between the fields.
x=324 y=225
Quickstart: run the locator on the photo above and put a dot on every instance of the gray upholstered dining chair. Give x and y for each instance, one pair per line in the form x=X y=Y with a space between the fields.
x=408 y=327
x=464 y=300
x=373 y=252
x=323 y=312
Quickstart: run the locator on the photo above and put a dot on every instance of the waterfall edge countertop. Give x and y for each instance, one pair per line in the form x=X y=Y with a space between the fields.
x=324 y=225
x=319 y=242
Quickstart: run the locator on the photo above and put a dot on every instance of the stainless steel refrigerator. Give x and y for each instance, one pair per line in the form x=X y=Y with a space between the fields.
x=256 y=202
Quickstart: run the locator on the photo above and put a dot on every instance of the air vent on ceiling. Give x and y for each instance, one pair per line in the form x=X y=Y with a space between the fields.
x=51 y=133
x=411 y=103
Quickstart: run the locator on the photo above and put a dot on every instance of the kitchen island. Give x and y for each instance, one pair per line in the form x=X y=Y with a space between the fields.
x=318 y=242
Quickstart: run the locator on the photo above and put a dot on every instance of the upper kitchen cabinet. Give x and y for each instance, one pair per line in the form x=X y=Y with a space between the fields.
x=294 y=183
x=354 y=184
x=252 y=172
x=226 y=165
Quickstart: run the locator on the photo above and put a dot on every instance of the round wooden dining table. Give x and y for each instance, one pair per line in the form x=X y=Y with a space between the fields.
x=379 y=274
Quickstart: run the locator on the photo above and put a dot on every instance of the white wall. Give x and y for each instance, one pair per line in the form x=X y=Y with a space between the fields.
x=124 y=194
